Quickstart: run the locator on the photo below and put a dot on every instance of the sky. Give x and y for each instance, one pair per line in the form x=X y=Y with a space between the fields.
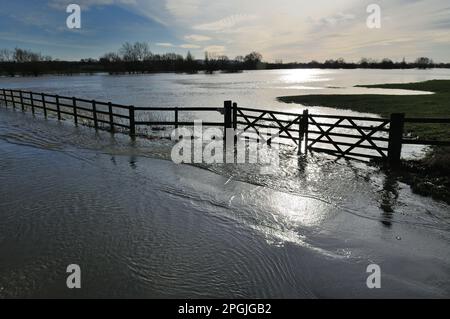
x=287 y=30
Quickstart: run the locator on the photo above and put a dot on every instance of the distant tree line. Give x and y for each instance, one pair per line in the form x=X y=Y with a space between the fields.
x=137 y=58
x=365 y=63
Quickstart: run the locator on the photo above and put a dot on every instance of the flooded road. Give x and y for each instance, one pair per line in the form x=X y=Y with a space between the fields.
x=141 y=226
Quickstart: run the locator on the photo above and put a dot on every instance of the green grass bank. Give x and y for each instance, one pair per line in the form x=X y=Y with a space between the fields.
x=429 y=176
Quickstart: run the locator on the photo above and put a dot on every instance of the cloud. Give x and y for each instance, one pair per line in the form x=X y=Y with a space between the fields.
x=284 y=29
x=215 y=49
x=189 y=46
x=225 y=23
x=152 y=9
x=164 y=44
x=334 y=21
x=31 y=40
x=197 y=38
x=183 y=8
x=85 y=4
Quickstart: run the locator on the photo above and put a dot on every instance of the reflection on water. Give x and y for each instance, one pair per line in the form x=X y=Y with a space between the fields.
x=389 y=197
x=317 y=176
x=304 y=76
x=141 y=227
x=252 y=89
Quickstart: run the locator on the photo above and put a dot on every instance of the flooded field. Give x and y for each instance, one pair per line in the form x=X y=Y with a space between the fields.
x=141 y=226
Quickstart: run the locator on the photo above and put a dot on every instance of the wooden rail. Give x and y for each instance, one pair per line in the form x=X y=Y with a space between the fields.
x=341 y=136
x=100 y=115
x=176 y=112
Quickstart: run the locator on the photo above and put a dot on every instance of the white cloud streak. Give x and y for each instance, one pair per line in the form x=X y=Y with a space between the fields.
x=189 y=46
x=197 y=38
x=164 y=44
x=225 y=23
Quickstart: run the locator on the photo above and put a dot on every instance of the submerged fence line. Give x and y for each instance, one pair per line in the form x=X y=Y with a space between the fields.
x=384 y=137
x=94 y=111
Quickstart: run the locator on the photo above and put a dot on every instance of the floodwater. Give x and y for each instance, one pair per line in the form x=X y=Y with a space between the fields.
x=257 y=89
x=142 y=226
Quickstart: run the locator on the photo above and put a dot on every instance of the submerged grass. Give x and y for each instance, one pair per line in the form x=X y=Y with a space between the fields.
x=429 y=176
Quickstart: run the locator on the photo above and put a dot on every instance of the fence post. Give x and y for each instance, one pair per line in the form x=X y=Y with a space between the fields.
x=13 y=98
x=132 y=122
x=111 y=117
x=21 y=101
x=301 y=133
x=32 y=102
x=4 y=97
x=58 y=110
x=235 y=110
x=75 y=112
x=94 y=114
x=226 y=118
x=229 y=148
x=305 y=124
x=301 y=130
x=176 y=117
x=43 y=104
x=397 y=123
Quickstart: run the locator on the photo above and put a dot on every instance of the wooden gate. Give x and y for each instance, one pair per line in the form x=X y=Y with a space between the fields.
x=349 y=136
x=280 y=126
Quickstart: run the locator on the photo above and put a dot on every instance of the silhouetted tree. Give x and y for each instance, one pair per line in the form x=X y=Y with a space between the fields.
x=190 y=63
x=210 y=63
x=253 y=60
x=239 y=59
x=424 y=63
x=386 y=64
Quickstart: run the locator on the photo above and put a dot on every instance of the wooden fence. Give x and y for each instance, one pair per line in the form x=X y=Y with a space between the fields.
x=100 y=115
x=341 y=136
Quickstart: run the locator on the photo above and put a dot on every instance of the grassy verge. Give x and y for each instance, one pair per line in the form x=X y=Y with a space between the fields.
x=429 y=176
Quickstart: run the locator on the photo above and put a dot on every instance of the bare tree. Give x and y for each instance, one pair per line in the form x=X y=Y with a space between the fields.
x=141 y=51
x=23 y=56
x=6 y=55
x=137 y=52
x=127 y=52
